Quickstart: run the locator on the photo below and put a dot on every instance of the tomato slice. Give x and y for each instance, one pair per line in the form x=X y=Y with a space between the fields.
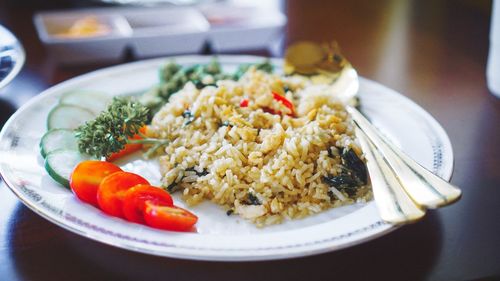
x=112 y=191
x=87 y=176
x=169 y=217
x=134 y=202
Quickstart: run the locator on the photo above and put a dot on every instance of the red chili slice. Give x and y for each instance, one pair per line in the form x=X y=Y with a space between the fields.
x=285 y=102
x=244 y=103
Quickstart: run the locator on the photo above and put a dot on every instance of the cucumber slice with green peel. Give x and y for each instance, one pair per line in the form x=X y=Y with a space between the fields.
x=66 y=116
x=96 y=102
x=58 y=139
x=60 y=164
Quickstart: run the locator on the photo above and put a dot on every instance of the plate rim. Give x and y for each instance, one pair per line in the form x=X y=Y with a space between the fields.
x=383 y=228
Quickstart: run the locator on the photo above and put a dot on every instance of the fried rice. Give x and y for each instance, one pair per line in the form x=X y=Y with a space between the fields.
x=238 y=146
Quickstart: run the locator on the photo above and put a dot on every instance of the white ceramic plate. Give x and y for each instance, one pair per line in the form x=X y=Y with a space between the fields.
x=219 y=237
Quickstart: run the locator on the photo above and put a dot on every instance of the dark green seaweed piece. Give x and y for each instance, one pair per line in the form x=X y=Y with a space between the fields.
x=356 y=165
x=343 y=182
x=331 y=195
x=199 y=174
x=173 y=187
x=252 y=199
x=353 y=175
x=330 y=151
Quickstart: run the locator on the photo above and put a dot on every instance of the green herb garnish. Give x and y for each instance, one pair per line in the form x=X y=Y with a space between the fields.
x=113 y=129
x=265 y=66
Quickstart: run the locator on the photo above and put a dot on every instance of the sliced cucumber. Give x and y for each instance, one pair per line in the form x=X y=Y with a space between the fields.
x=60 y=164
x=58 y=139
x=66 y=116
x=93 y=101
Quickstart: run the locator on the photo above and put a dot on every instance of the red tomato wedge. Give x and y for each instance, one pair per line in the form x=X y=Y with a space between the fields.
x=285 y=102
x=134 y=202
x=129 y=147
x=169 y=218
x=87 y=176
x=112 y=191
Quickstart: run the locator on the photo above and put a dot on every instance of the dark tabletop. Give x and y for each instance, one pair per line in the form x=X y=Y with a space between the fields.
x=434 y=52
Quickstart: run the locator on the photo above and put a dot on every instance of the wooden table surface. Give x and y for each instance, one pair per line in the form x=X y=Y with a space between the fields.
x=434 y=52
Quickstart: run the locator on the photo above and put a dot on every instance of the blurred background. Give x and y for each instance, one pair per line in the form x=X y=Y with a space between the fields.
x=65 y=38
x=434 y=52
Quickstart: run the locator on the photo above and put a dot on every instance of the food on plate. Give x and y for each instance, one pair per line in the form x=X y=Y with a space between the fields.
x=58 y=139
x=87 y=176
x=136 y=198
x=66 y=116
x=173 y=77
x=60 y=163
x=116 y=128
x=59 y=145
x=112 y=191
x=266 y=147
x=169 y=217
x=128 y=195
x=93 y=101
x=113 y=129
x=129 y=147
